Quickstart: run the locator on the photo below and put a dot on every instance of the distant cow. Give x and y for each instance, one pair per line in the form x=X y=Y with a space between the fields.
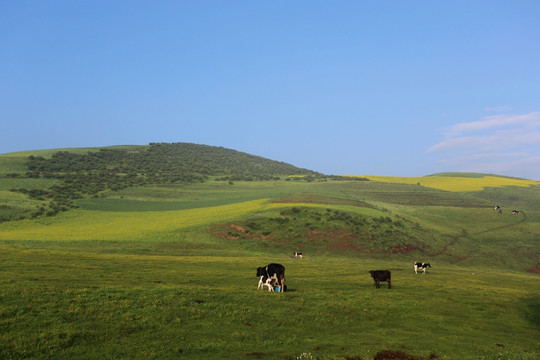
x=498 y=208
x=515 y=212
x=422 y=266
x=272 y=272
x=381 y=275
x=297 y=254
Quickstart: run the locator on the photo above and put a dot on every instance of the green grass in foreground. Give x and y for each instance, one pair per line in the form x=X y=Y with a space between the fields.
x=83 y=302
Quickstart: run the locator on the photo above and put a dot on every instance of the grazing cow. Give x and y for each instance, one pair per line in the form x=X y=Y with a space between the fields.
x=297 y=254
x=498 y=208
x=422 y=266
x=381 y=275
x=515 y=212
x=274 y=272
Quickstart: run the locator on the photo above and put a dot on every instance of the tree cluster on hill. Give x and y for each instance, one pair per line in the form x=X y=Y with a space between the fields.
x=89 y=174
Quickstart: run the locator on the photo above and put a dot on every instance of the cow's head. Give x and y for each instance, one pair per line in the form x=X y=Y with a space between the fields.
x=260 y=271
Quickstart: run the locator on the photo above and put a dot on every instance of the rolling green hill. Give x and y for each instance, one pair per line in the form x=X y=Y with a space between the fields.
x=448 y=215
x=52 y=180
x=150 y=252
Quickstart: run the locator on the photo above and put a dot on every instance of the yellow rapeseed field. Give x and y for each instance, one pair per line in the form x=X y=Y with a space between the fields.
x=106 y=225
x=449 y=183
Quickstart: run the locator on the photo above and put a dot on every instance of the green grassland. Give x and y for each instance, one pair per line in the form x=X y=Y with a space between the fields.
x=86 y=304
x=167 y=271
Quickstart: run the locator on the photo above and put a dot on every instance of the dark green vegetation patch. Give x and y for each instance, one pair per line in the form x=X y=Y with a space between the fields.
x=331 y=230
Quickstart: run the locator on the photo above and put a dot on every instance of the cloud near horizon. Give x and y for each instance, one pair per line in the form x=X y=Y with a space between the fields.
x=499 y=144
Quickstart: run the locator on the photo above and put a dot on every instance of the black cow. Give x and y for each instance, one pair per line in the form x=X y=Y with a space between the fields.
x=274 y=274
x=422 y=266
x=381 y=275
x=515 y=212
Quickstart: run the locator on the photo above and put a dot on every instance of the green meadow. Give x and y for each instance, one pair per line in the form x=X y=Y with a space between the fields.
x=168 y=271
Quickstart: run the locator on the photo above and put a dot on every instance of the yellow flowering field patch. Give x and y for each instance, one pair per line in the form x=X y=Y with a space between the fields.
x=451 y=183
x=106 y=225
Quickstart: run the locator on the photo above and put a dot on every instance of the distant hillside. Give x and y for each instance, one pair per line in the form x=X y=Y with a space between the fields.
x=168 y=162
x=74 y=173
x=472 y=175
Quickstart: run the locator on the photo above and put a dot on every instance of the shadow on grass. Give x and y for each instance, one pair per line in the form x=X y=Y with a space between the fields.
x=533 y=310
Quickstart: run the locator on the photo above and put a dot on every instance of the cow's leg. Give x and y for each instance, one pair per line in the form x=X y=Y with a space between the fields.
x=275 y=280
x=270 y=284
x=377 y=284
x=260 y=283
x=389 y=284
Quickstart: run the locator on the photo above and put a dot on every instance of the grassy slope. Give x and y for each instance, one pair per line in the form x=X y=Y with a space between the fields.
x=149 y=283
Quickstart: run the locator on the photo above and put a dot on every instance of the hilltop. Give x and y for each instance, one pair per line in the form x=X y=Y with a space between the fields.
x=161 y=160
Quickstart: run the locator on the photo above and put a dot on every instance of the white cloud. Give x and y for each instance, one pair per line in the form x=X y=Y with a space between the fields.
x=500 y=144
x=530 y=120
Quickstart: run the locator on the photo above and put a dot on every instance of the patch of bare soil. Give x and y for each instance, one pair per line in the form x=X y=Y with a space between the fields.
x=405 y=249
x=535 y=269
x=338 y=239
x=399 y=355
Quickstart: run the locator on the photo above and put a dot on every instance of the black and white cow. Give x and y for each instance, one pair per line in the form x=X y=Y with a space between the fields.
x=381 y=275
x=297 y=254
x=498 y=209
x=515 y=212
x=422 y=266
x=272 y=274
x=266 y=281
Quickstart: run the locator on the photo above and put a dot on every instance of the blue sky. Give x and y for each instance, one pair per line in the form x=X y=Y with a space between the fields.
x=401 y=88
